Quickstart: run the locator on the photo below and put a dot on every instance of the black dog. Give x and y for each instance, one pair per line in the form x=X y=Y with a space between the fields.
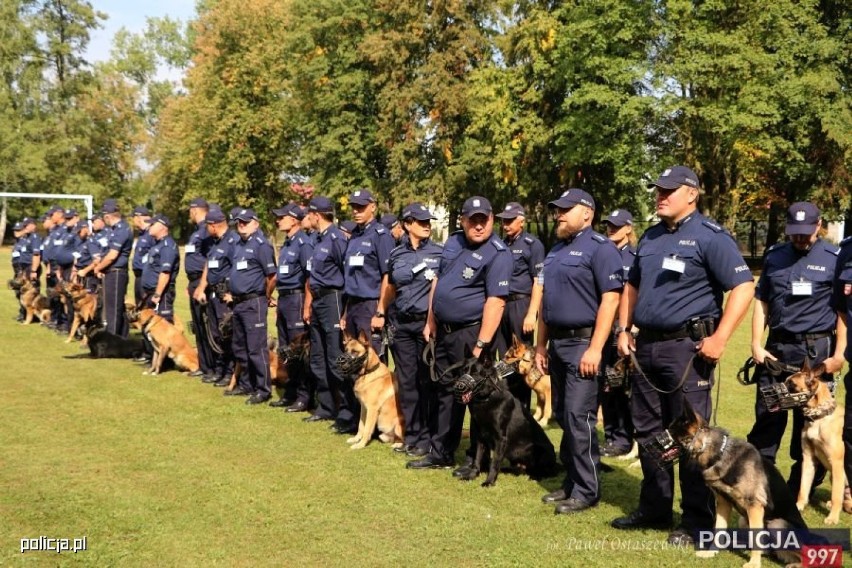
x=105 y=345
x=506 y=428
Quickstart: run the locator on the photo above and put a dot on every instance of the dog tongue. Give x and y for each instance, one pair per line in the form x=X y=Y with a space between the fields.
x=466 y=397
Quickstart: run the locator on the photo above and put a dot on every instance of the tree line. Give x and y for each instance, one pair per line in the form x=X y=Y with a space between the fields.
x=434 y=100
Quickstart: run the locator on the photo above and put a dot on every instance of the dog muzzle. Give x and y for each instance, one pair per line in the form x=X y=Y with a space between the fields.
x=778 y=398
x=464 y=388
x=350 y=365
x=663 y=449
x=285 y=352
x=505 y=369
x=613 y=379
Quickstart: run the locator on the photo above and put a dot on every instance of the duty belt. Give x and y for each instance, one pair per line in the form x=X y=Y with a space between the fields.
x=320 y=292
x=240 y=298
x=193 y=276
x=514 y=297
x=696 y=329
x=782 y=336
x=285 y=292
x=554 y=332
x=453 y=327
x=407 y=318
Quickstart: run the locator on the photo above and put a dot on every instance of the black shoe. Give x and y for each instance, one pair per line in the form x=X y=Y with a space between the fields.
x=612 y=451
x=315 y=418
x=280 y=403
x=143 y=360
x=639 y=520
x=297 y=406
x=416 y=452
x=197 y=373
x=606 y=468
x=210 y=379
x=223 y=382
x=467 y=470
x=237 y=391
x=341 y=428
x=403 y=449
x=554 y=497
x=681 y=537
x=431 y=461
x=572 y=505
x=255 y=399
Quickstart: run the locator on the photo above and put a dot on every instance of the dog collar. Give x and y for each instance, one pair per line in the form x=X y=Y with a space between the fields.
x=819 y=411
x=724 y=445
x=373 y=368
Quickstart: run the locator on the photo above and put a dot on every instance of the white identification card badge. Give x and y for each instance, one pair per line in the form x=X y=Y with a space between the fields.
x=308 y=265
x=802 y=289
x=284 y=269
x=74 y=254
x=418 y=268
x=356 y=260
x=674 y=264
x=103 y=242
x=213 y=263
x=242 y=265
x=58 y=242
x=16 y=254
x=189 y=248
x=145 y=259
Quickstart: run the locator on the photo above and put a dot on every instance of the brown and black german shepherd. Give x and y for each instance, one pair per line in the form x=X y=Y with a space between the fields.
x=739 y=478
x=523 y=356
x=168 y=341
x=85 y=307
x=34 y=303
x=280 y=359
x=376 y=389
x=822 y=439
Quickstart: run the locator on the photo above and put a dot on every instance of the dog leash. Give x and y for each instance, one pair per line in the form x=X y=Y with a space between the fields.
x=428 y=357
x=653 y=386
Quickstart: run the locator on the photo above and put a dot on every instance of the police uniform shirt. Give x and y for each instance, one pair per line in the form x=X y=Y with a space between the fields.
x=252 y=261
x=367 y=260
x=219 y=257
x=293 y=261
x=69 y=242
x=141 y=248
x=842 y=296
x=16 y=250
x=120 y=239
x=797 y=287
x=683 y=273
x=195 y=251
x=468 y=275
x=163 y=257
x=528 y=258
x=411 y=272
x=83 y=255
x=50 y=245
x=101 y=240
x=576 y=274
x=31 y=248
x=326 y=264
x=628 y=256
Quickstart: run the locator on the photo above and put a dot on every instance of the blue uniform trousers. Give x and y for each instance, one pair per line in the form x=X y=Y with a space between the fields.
x=513 y=324
x=326 y=346
x=575 y=401
x=615 y=406
x=664 y=362
x=206 y=357
x=138 y=291
x=115 y=288
x=768 y=426
x=251 y=347
x=223 y=362
x=359 y=313
x=290 y=325
x=412 y=376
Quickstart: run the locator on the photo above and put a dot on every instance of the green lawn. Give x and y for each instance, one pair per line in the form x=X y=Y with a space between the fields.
x=166 y=471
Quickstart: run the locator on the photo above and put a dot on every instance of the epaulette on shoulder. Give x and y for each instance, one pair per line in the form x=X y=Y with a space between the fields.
x=832 y=249
x=333 y=235
x=846 y=241
x=497 y=244
x=381 y=229
x=301 y=241
x=713 y=226
x=529 y=240
x=599 y=238
x=775 y=246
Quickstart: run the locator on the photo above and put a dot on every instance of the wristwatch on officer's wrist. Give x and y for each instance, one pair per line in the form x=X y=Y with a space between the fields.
x=619 y=330
x=481 y=344
x=380 y=314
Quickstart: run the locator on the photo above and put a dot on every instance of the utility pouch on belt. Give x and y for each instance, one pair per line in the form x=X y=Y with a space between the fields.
x=700 y=328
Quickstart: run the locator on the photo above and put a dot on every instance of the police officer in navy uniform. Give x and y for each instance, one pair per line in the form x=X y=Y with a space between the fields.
x=252 y=281
x=64 y=254
x=31 y=250
x=842 y=302
x=394 y=227
x=465 y=309
x=586 y=267
x=112 y=268
x=794 y=301
x=293 y=260
x=683 y=266
x=212 y=291
x=412 y=267
x=82 y=255
x=323 y=308
x=141 y=219
x=195 y=258
x=521 y=313
x=615 y=404
x=19 y=266
x=55 y=239
x=161 y=269
x=93 y=247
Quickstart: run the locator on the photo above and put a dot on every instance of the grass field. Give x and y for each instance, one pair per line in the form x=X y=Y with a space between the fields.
x=166 y=471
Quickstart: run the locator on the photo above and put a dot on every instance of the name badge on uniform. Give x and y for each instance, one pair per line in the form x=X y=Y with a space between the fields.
x=284 y=269
x=213 y=263
x=308 y=265
x=418 y=268
x=803 y=289
x=58 y=242
x=356 y=260
x=674 y=264
x=189 y=248
x=145 y=259
x=75 y=254
x=242 y=265
x=16 y=254
x=103 y=242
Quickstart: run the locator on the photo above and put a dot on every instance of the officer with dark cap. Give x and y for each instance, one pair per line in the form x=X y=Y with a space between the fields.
x=83 y=257
x=56 y=232
x=347 y=227
x=842 y=302
x=365 y=271
x=405 y=299
x=161 y=268
x=31 y=250
x=112 y=268
x=586 y=267
x=65 y=244
x=394 y=227
x=292 y=274
x=674 y=293
x=521 y=313
x=212 y=291
x=794 y=301
x=615 y=404
x=252 y=281
x=94 y=247
x=141 y=219
x=323 y=308
x=195 y=257
x=19 y=266
x=466 y=306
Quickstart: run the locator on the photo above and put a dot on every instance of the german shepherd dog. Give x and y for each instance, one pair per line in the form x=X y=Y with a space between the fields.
x=506 y=429
x=105 y=345
x=167 y=340
x=822 y=439
x=523 y=356
x=740 y=478
x=34 y=303
x=85 y=306
x=280 y=359
x=377 y=391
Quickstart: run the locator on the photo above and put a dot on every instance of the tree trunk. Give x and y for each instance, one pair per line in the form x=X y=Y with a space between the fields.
x=3 y=221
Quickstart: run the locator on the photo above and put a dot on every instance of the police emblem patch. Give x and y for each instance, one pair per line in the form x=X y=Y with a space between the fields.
x=467 y=273
x=429 y=274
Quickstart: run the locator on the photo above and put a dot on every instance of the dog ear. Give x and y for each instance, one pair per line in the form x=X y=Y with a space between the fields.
x=486 y=359
x=806 y=366
x=688 y=413
x=516 y=343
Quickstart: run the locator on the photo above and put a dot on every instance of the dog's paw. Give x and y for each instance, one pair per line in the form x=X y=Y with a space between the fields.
x=487 y=483
x=385 y=438
x=832 y=519
x=353 y=440
x=706 y=553
x=358 y=446
x=752 y=564
x=800 y=505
